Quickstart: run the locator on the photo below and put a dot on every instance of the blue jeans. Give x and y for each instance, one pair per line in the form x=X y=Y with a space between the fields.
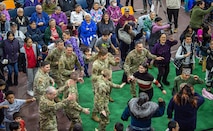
x=86 y=66
x=12 y=67
x=148 y=33
x=114 y=40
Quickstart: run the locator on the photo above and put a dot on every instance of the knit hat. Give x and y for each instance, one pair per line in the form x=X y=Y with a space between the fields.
x=157 y=19
x=186 y=71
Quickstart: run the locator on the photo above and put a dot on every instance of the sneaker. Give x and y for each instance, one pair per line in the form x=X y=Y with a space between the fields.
x=30 y=93
x=144 y=12
x=2 y=126
x=175 y=30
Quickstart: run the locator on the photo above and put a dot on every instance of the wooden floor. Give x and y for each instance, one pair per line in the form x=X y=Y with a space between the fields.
x=30 y=111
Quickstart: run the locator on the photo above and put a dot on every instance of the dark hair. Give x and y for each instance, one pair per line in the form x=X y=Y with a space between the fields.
x=68 y=46
x=199 y=2
x=32 y=21
x=172 y=125
x=102 y=19
x=15 y=115
x=9 y=93
x=86 y=49
x=44 y=48
x=102 y=51
x=138 y=42
x=59 y=41
x=205 y=29
x=14 y=126
x=44 y=63
x=67 y=32
x=145 y=65
x=74 y=76
x=119 y=126
x=127 y=28
x=26 y=39
x=105 y=33
x=2 y=82
x=186 y=95
x=77 y=127
x=77 y=5
x=9 y=33
x=188 y=35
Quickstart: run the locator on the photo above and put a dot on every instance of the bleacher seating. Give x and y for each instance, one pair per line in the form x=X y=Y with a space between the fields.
x=28 y=11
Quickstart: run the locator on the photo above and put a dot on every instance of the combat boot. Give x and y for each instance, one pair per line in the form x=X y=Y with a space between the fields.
x=95 y=117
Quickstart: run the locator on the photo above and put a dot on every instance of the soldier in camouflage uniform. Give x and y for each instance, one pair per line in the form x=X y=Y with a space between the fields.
x=133 y=60
x=53 y=58
x=101 y=98
x=67 y=64
x=48 y=108
x=42 y=80
x=104 y=61
x=73 y=110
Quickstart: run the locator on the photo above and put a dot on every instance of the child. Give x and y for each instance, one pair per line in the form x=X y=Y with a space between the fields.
x=96 y=12
x=2 y=87
x=17 y=118
x=14 y=126
x=44 y=51
x=12 y=105
x=145 y=80
x=86 y=56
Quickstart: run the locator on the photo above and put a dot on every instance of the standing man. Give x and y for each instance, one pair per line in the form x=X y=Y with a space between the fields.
x=173 y=7
x=68 y=64
x=198 y=13
x=42 y=80
x=48 y=108
x=133 y=60
x=53 y=59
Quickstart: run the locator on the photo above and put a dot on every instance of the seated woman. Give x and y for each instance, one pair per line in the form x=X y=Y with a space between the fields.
x=107 y=24
x=114 y=12
x=49 y=6
x=77 y=16
x=60 y=18
x=52 y=32
x=4 y=11
x=69 y=39
x=4 y=26
x=31 y=3
x=96 y=12
x=88 y=30
x=21 y=20
x=35 y=34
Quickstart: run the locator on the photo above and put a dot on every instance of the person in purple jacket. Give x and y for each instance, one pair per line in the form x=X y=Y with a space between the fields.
x=60 y=17
x=185 y=105
x=31 y=3
x=73 y=41
x=163 y=49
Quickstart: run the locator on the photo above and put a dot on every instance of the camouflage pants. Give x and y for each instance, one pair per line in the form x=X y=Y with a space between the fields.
x=56 y=76
x=133 y=88
x=104 y=121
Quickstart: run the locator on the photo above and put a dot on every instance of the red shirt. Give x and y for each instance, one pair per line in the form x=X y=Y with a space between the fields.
x=124 y=18
x=31 y=58
x=22 y=125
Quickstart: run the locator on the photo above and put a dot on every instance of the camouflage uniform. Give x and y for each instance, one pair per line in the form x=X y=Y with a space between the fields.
x=47 y=111
x=132 y=62
x=67 y=65
x=101 y=99
x=52 y=58
x=70 y=89
x=41 y=82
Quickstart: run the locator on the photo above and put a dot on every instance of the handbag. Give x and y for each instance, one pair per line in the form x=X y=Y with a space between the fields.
x=178 y=63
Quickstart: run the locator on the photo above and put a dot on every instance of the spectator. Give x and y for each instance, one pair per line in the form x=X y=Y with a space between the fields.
x=67 y=6
x=185 y=105
x=4 y=11
x=107 y=24
x=173 y=7
x=145 y=2
x=118 y=126
x=41 y=18
x=198 y=13
x=96 y=12
x=189 y=31
x=4 y=26
x=163 y=49
x=18 y=118
x=157 y=29
x=185 y=77
x=52 y=32
x=35 y=34
x=12 y=105
x=127 y=18
x=31 y=3
x=71 y=40
x=32 y=57
x=14 y=126
x=173 y=126
x=21 y=20
x=49 y=6
x=141 y=111
x=11 y=48
x=102 y=3
x=185 y=53
x=77 y=16
x=2 y=88
x=60 y=18
x=114 y=12
x=88 y=31
x=132 y=4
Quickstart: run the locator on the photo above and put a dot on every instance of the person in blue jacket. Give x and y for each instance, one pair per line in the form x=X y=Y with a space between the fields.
x=41 y=18
x=185 y=105
x=141 y=111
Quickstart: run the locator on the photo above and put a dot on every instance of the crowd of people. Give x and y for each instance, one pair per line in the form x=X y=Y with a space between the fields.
x=56 y=44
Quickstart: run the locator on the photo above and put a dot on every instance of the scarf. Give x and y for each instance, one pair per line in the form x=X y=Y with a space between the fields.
x=21 y=20
x=30 y=55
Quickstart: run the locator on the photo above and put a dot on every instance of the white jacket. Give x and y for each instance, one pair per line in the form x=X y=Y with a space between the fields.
x=173 y=4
